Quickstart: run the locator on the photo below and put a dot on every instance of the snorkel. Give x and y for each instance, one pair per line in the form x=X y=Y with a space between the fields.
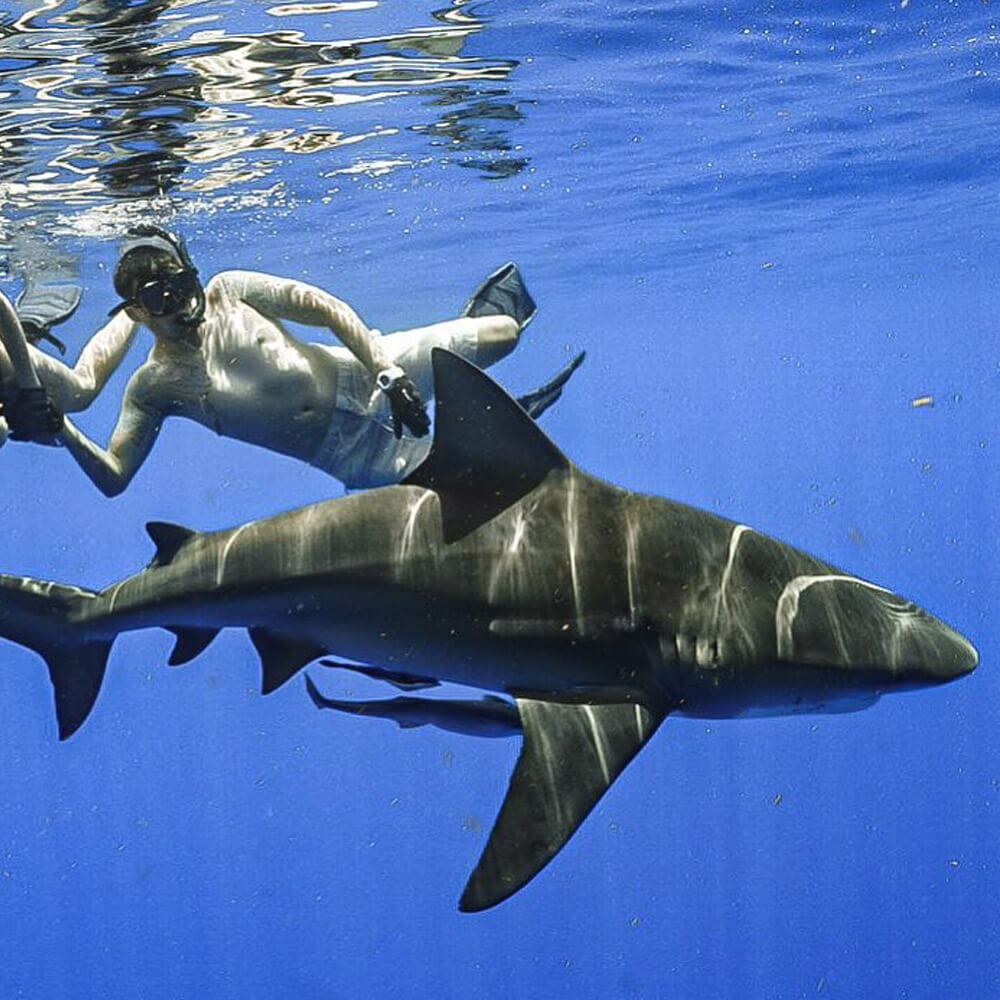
x=155 y=273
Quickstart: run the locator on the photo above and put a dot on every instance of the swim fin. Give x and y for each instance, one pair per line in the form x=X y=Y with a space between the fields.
x=537 y=402
x=41 y=306
x=503 y=294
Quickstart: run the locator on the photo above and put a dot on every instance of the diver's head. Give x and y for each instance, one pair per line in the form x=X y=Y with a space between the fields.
x=158 y=283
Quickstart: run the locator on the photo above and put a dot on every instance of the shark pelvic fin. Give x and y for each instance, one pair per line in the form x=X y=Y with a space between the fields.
x=168 y=539
x=570 y=756
x=484 y=445
x=190 y=642
x=280 y=657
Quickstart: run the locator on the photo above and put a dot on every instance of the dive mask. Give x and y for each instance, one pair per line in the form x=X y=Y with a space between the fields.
x=177 y=293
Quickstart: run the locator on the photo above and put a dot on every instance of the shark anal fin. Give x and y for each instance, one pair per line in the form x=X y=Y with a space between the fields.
x=485 y=446
x=168 y=539
x=190 y=642
x=281 y=657
x=570 y=756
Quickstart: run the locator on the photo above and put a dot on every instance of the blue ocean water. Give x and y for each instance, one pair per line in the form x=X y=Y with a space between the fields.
x=771 y=226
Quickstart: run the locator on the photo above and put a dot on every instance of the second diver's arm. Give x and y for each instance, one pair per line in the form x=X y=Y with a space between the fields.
x=111 y=469
x=74 y=389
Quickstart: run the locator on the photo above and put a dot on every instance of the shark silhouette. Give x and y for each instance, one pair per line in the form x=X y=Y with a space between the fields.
x=501 y=565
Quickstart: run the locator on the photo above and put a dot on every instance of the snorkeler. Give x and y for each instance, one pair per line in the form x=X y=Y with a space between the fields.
x=222 y=358
x=54 y=384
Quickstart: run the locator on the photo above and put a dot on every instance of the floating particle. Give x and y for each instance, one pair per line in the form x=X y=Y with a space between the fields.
x=919 y=401
x=776 y=801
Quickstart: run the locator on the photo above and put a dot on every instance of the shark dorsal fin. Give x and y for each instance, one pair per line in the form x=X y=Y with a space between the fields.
x=168 y=539
x=570 y=756
x=484 y=444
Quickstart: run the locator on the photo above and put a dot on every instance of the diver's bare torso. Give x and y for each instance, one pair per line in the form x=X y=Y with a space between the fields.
x=248 y=377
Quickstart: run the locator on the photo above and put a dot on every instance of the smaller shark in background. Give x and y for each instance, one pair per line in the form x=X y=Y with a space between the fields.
x=486 y=716
x=499 y=564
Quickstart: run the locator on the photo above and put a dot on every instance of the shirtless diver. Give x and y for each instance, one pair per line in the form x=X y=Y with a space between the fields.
x=222 y=358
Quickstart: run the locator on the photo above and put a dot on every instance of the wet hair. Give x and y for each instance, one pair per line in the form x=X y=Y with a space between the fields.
x=149 y=252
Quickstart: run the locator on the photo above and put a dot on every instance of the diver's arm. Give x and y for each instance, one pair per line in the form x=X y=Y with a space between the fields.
x=112 y=469
x=75 y=388
x=286 y=298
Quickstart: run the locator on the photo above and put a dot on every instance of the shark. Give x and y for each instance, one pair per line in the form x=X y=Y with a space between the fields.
x=500 y=565
x=490 y=715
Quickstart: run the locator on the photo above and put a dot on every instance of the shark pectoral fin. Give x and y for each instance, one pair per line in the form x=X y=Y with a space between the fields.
x=168 y=539
x=281 y=657
x=190 y=642
x=485 y=447
x=569 y=757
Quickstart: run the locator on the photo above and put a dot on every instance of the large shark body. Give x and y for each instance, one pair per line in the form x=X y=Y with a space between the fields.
x=500 y=564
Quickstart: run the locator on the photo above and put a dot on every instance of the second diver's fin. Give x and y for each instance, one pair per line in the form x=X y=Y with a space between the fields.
x=535 y=403
x=487 y=452
x=190 y=642
x=503 y=293
x=570 y=755
x=281 y=657
x=42 y=306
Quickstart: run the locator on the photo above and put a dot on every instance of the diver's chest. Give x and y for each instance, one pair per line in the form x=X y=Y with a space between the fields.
x=248 y=353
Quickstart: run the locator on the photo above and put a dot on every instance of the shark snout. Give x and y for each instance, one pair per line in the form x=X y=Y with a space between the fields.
x=845 y=622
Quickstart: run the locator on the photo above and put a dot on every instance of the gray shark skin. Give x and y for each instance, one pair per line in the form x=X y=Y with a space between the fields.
x=501 y=565
x=486 y=716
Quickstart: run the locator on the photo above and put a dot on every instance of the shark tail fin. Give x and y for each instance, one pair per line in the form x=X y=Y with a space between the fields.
x=39 y=615
x=570 y=756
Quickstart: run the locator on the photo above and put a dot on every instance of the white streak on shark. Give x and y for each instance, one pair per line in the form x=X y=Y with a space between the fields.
x=788 y=605
x=727 y=572
x=220 y=570
x=598 y=743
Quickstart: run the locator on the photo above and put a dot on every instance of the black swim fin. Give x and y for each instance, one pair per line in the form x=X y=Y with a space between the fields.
x=503 y=294
x=42 y=306
x=537 y=402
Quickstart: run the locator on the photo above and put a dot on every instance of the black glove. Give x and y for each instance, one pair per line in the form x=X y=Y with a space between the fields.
x=408 y=409
x=32 y=416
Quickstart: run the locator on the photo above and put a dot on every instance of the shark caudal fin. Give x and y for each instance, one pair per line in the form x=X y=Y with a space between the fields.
x=38 y=615
x=570 y=756
x=484 y=444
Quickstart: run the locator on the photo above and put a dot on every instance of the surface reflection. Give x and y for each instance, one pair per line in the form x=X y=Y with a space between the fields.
x=163 y=101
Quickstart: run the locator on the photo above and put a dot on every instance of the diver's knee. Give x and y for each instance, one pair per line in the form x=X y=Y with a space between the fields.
x=497 y=336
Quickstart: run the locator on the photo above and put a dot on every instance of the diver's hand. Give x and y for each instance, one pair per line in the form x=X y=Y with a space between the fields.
x=408 y=409
x=32 y=416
